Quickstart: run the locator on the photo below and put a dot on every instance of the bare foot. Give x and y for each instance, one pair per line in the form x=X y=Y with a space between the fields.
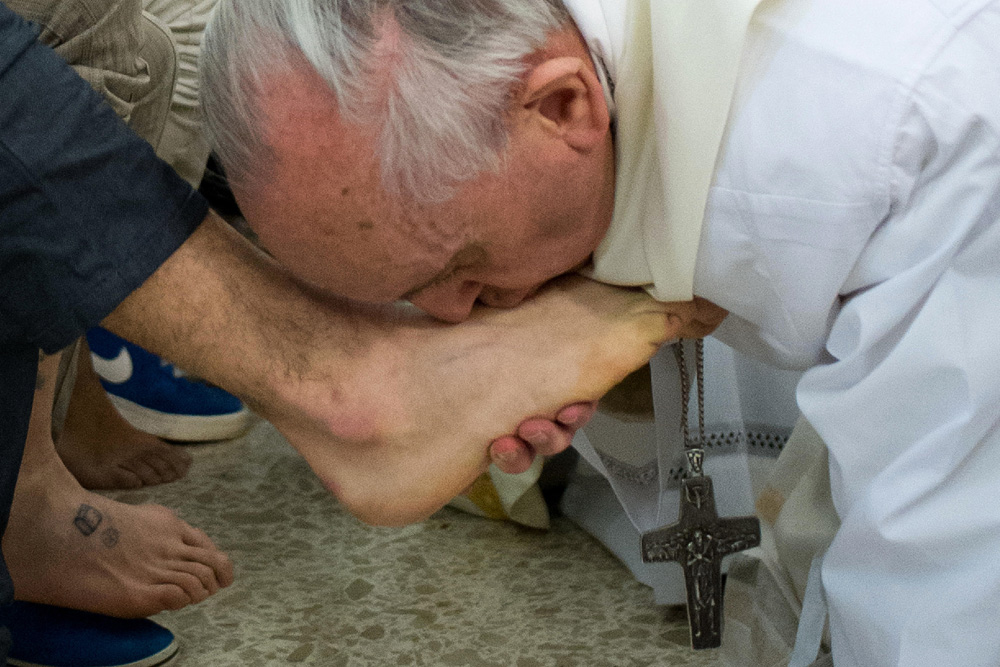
x=394 y=415
x=514 y=453
x=69 y=547
x=104 y=451
x=416 y=427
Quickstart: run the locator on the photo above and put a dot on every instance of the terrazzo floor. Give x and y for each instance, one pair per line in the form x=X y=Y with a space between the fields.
x=316 y=587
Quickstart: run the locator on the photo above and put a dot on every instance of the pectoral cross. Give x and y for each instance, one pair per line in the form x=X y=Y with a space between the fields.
x=700 y=539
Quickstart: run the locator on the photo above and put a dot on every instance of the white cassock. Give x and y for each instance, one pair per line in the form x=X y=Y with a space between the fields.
x=852 y=229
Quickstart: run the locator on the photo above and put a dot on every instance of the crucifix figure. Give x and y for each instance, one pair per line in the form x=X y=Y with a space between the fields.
x=700 y=539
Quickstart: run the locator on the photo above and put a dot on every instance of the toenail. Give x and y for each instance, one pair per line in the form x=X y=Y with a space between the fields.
x=539 y=439
x=506 y=456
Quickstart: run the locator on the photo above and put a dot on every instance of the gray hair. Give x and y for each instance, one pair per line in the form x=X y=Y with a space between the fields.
x=444 y=118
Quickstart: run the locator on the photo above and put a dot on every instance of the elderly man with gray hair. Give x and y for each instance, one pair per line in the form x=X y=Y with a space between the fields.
x=823 y=171
x=94 y=228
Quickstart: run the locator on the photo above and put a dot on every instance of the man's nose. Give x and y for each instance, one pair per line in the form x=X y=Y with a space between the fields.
x=449 y=301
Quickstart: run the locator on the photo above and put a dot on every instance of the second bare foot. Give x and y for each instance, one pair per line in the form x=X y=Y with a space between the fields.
x=104 y=451
x=68 y=547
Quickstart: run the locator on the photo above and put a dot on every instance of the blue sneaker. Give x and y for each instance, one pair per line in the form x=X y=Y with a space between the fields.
x=45 y=636
x=156 y=397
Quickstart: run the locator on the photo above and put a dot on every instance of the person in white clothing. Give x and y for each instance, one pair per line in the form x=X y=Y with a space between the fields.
x=818 y=178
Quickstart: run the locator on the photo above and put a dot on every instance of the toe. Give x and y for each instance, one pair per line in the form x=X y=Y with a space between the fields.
x=178 y=459
x=201 y=549
x=222 y=567
x=164 y=470
x=196 y=537
x=123 y=477
x=187 y=582
x=154 y=599
x=546 y=437
x=217 y=564
x=511 y=454
x=577 y=415
x=205 y=574
x=170 y=460
x=146 y=472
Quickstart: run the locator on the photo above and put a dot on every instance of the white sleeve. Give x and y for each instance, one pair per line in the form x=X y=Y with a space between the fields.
x=910 y=405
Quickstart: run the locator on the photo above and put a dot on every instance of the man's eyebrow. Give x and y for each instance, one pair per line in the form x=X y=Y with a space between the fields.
x=473 y=254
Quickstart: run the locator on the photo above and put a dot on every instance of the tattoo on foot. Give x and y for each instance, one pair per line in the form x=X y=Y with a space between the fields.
x=110 y=536
x=87 y=520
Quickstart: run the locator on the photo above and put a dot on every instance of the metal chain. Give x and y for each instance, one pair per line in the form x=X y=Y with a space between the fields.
x=693 y=448
x=685 y=391
x=699 y=356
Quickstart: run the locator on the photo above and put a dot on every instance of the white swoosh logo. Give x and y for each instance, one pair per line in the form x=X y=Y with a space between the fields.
x=117 y=370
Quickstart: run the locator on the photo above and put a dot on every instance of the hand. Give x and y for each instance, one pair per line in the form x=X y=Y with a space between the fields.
x=514 y=453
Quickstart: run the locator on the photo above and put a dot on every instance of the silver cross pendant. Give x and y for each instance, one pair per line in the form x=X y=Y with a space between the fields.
x=699 y=539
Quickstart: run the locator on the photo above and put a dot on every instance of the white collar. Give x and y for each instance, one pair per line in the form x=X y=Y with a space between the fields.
x=669 y=69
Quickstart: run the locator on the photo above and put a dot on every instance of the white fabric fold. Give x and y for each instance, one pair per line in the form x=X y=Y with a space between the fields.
x=672 y=67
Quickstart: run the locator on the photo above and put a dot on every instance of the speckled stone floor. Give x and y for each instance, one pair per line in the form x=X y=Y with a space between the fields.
x=316 y=587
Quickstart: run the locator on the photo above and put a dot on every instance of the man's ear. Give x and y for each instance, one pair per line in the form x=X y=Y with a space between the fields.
x=564 y=98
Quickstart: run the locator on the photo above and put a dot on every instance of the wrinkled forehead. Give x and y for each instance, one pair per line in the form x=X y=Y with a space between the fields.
x=303 y=127
x=340 y=239
x=318 y=205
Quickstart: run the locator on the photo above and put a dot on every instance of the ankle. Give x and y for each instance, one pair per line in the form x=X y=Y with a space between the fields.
x=50 y=484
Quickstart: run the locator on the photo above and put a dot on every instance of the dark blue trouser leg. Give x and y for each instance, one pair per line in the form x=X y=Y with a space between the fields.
x=18 y=369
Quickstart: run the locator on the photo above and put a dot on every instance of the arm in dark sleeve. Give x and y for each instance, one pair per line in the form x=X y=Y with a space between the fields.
x=87 y=211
